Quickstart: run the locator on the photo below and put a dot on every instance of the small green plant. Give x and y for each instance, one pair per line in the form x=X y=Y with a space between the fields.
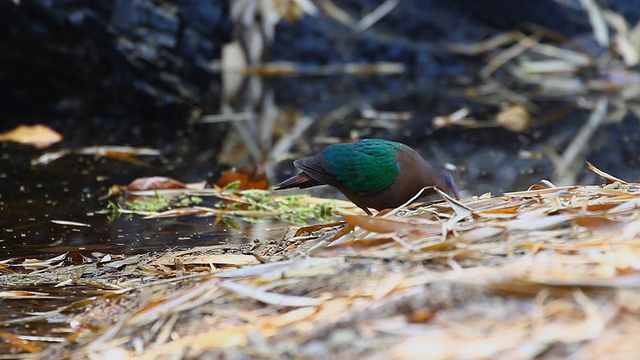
x=251 y=205
x=156 y=203
x=289 y=208
x=232 y=185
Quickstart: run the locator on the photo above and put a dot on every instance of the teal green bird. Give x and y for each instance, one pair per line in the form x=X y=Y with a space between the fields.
x=372 y=173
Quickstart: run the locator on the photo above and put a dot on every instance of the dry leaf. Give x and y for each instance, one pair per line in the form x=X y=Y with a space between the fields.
x=514 y=118
x=40 y=136
x=23 y=294
x=268 y=297
x=220 y=259
x=250 y=178
x=540 y=223
x=480 y=234
x=610 y=178
x=598 y=223
x=155 y=182
x=358 y=244
x=378 y=224
x=18 y=343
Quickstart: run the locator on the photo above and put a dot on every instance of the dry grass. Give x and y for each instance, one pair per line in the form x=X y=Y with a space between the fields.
x=544 y=273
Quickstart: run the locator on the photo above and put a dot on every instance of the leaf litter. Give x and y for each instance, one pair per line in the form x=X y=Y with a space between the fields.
x=551 y=271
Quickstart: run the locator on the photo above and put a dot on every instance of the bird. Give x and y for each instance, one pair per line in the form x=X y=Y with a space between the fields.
x=372 y=173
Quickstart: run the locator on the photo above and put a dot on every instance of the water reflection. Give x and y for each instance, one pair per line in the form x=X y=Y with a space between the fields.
x=55 y=208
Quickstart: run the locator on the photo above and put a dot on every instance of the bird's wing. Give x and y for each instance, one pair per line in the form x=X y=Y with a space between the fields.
x=361 y=170
x=319 y=169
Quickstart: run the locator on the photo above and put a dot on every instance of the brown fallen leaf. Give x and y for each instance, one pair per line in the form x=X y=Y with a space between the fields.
x=151 y=186
x=154 y=183
x=421 y=315
x=15 y=341
x=598 y=223
x=358 y=244
x=218 y=259
x=377 y=224
x=38 y=135
x=24 y=294
x=310 y=229
x=249 y=178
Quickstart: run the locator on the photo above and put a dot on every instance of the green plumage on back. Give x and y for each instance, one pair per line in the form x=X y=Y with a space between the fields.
x=364 y=167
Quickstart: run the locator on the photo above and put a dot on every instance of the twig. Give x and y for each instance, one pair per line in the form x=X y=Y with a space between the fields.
x=566 y=165
x=521 y=46
x=377 y=14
